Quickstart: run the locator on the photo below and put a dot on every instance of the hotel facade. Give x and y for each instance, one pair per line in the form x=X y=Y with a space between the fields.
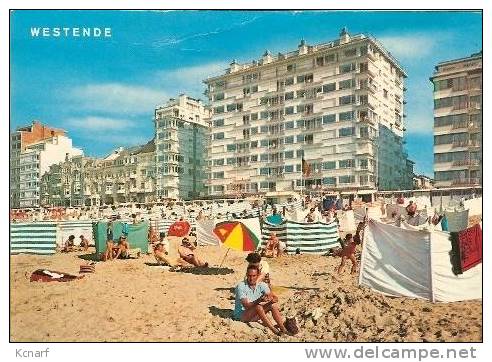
x=458 y=122
x=326 y=103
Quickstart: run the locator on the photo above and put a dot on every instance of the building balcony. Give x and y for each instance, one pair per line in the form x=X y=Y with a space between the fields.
x=474 y=106
x=458 y=144
x=474 y=144
x=366 y=120
x=108 y=192
x=466 y=182
x=459 y=125
x=371 y=56
x=368 y=71
x=465 y=162
x=473 y=128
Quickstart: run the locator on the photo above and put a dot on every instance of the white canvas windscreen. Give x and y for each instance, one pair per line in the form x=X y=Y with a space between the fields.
x=395 y=261
x=414 y=263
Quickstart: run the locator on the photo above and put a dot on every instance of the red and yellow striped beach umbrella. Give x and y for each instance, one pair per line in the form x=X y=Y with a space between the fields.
x=236 y=235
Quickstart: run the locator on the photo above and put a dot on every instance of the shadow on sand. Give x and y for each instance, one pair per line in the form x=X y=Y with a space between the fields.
x=207 y=271
x=221 y=312
x=90 y=257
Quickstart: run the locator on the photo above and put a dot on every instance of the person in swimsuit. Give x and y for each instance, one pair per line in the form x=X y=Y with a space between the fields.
x=84 y=243
x=162 y=256
x=108 y=254
x=187 y=252
x=123 y=248
x=348 y=252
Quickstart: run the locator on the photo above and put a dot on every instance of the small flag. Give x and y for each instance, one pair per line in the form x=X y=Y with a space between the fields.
x=306 y=169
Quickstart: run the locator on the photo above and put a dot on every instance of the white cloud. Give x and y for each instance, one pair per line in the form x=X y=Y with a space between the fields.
x=117 y=98
x=410 y=45
x=189 y=80
x=92 y=123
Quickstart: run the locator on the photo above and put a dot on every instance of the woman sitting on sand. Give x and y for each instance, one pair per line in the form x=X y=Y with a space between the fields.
x=348 y=252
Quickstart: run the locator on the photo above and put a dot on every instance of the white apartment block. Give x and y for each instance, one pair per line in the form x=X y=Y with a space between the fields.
x=35 y=160
x=182 y=128
x=325 y=103
x=458 y=122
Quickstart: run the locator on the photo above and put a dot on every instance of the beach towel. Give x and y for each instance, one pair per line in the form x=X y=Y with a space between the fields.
x=44 y=275
x=179 y=229
x=467 y=249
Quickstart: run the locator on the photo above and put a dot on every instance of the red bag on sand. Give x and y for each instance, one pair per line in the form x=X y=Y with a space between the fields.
x=179 y=229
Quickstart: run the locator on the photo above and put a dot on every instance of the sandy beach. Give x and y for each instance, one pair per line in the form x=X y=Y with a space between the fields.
x=129 y=300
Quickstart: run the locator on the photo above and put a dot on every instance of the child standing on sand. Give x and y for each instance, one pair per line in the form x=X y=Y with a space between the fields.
x=348 y=252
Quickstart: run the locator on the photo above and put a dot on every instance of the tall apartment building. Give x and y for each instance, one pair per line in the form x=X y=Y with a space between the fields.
x=458 y=122
x=325 y=103
x=125 y=175
x=181 y=133
x=19 y=140
x=35 y=160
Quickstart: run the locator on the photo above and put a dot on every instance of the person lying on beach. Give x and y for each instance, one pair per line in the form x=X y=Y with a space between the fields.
x=263 y=267
x=254 y=300
x=84 y=243
x=123 y=248
x=187 y=252
x=162 y=256
x=348 y=252
x=69 y=244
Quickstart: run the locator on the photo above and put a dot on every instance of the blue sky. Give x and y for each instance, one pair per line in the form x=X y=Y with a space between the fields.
x=103 y=91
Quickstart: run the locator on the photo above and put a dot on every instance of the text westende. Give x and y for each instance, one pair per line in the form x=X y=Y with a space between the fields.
x=72 y=32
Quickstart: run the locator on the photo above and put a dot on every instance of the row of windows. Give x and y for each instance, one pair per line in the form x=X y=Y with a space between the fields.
x=454 y=138
x=342 y=132
x=457 y=119
x=456 y=84
x=315 y=167
x=457 y=102
x=456 y=156
x=462 y=175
